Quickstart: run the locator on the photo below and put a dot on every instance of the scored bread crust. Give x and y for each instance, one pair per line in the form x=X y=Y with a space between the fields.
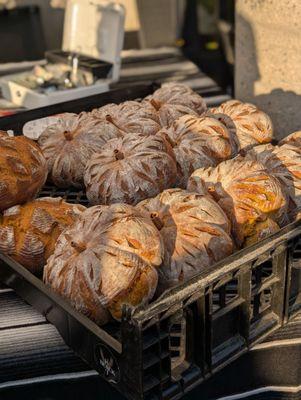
x=69 y=144
x=127 y=117
x=23 y=170
x=199 y=142
x=293 y=139
x=283 y=162
x=252 y=126
x=108 y=258
x=130 y=169
x=28 y=232
x=245 y=190
x=195 y=231
x=174 y=100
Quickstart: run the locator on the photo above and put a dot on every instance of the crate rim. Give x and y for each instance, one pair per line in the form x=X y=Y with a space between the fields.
x=215 y=272
x=172 y=296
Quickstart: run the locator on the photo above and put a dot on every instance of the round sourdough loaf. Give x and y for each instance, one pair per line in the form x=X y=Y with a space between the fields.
x=199 y=142
x=292 y=139
x=246 y=191
x=252 y=126
x=28 y=233
x=174 y=100
x=69 y=144
x=127 y=117
x=23 y=170
x=195 y=231
x=130 y=169
x=284 y=163
x=108 y=258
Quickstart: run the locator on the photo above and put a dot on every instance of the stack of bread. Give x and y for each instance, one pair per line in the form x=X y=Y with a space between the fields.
x=175 y=188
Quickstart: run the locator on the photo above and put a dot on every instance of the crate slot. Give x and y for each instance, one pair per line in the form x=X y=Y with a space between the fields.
x=228 y=349
x=151 y=359
x=150 y=382
x=150 y=340
x=224 y=295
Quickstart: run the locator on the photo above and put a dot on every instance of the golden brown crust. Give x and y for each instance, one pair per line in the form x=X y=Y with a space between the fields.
x=245 y=190
x=292 y=139
x=262 y=230
x=252 y=126
x=28 y=233
x=283 y=162
x=195 y=231
x=199 y=142
x=127 y=117
x=105 y=260
x=173 y=100
x=23 y=170
x=69 y=144
x=129 y=170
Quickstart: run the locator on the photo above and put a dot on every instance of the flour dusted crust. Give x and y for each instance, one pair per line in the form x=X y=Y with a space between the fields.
x=284 y=162
x=199 y=142
x=106 y=259
x=23 y=170
x=28 y=233
x=252 y=126
x=174 y=100
x=130 y=169
x=69 y=144
x=293 y=139
x=195 y=231
x=246 y=191
x=127 y=117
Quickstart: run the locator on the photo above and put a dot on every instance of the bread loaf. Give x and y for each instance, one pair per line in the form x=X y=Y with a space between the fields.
x=262 y=230
x=283 y=162
x=174 y=100
x=246 y=191
x=292 y=139
x=195 y=231
x=106 y=259
x=28 y=233
x=23 y=170
x=199 y=142
x=68 y=146
x=129 y=170
x=252 y=126
x=127 y=117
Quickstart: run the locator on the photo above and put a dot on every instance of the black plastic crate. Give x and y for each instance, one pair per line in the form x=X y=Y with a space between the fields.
x=293 y=298
x=163 y=350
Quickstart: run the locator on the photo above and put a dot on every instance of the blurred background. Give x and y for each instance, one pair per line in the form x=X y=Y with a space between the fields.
x=201 y=29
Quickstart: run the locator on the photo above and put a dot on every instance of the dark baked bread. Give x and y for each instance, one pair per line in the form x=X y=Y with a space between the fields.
x=69 y=145
x=129 y=170
x=195 y=231
x=106 y=259
x=28 y=233
x=23 y=170
x=199 y=142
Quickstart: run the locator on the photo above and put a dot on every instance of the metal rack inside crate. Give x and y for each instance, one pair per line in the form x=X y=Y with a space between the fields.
x=72 y=195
